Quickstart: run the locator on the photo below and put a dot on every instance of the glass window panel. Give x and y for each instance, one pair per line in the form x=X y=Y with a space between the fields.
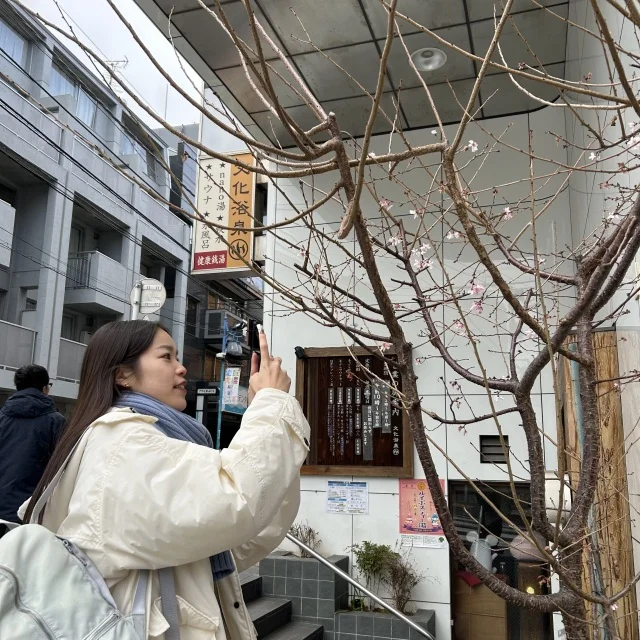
x=151 y=166
x=12 y=43
x=127 y=146
x=87 y=107
x=61 y=84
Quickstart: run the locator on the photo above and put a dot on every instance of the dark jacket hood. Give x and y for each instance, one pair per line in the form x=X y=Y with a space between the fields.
x=28 y=403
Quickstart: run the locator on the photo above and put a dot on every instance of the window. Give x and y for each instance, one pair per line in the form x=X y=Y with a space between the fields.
x=151 y=168
x=131 y=145
x=12 y=44
x=76 y=239
x=127 y=145
x=87 y=108
x=191 y=321
x=68 y=329
x=62 y=84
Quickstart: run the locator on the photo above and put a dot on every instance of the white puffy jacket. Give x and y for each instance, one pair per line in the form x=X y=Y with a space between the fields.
x=132 y=499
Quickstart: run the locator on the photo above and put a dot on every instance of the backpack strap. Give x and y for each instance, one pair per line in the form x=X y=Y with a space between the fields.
x=139 y=609
x=46 y=494
x=169 y=603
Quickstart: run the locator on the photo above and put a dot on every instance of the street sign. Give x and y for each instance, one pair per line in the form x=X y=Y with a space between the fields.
x=147 y=296
x=208 y=391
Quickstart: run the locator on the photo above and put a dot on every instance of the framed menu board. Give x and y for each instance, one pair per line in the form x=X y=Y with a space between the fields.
x=358 y=427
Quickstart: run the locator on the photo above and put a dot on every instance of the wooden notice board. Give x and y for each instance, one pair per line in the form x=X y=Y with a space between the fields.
x=358 y=427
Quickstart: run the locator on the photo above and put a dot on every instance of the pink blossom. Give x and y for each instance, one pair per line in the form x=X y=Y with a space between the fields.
x=477 y=307
x=421 y=264
x=387 y=204
x=476 y=288
x=633 y=141
x=458 y=327
x=385 y=346
x=454 y=235
x=396 y=306
x=395 y=240
x=507 y=213
x=472 y=146
x=417 y=212
x=424 y=248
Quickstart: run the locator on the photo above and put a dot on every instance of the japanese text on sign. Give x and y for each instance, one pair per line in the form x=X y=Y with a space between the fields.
x=225 y=198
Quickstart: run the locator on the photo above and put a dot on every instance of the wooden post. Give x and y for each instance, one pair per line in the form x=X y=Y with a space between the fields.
x=610 y=523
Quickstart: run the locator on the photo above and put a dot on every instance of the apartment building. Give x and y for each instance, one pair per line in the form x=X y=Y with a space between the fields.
x=78 y=223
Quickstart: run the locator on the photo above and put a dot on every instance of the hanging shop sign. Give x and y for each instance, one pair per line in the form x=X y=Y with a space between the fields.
x=225 y=197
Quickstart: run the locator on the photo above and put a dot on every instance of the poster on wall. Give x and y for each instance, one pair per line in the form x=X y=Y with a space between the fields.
x=351 y=498
x=419 y=522
x=225 y=196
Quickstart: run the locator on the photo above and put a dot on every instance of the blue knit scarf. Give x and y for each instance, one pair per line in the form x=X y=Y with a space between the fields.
x=181 y=427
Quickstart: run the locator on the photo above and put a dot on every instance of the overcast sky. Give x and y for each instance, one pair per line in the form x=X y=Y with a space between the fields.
x=100 y=28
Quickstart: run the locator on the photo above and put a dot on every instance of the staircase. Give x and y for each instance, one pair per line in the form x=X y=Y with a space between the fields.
x=271 y=615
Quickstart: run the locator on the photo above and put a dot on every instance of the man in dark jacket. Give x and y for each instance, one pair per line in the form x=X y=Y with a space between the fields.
x=29 y=429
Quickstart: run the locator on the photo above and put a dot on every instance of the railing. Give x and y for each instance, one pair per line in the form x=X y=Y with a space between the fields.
x=359 y=587
x=79 y=270
x=70 y=360
x=17 y=345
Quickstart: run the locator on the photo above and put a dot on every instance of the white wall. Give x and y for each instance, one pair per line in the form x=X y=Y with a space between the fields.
x=381 y=525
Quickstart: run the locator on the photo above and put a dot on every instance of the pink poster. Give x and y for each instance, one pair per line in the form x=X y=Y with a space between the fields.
x=417 y=511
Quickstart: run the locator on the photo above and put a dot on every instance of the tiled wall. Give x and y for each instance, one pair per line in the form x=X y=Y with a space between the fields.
x=316 y=593
x=380 y=626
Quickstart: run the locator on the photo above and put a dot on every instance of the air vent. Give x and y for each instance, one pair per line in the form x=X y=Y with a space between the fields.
x=491 y=450
x=214 y=324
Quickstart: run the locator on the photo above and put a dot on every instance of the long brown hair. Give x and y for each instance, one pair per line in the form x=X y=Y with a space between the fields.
x=115 y=345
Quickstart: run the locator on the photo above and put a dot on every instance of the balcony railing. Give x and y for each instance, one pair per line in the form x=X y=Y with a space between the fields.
x=70 y=360
x=95 y=270
x=79 y=270
x=17 y=345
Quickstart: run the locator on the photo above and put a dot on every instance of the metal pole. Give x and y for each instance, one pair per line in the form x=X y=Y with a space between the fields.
x=359 y=587
x=225 y=331
x=137 y=298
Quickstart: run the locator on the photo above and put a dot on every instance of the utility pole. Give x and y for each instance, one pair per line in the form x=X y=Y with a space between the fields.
x=136 y=298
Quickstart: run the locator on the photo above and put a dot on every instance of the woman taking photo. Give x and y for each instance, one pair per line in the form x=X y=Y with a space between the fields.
x=145 y=490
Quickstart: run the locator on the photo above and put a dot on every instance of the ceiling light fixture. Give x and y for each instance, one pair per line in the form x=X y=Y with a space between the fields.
x=429 y=59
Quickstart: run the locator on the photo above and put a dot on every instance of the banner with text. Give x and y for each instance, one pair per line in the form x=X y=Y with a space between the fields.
x=226 y=198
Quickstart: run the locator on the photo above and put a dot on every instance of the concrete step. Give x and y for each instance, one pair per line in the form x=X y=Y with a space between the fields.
x=251 y=586
x=298 y=631
x=269 y=614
